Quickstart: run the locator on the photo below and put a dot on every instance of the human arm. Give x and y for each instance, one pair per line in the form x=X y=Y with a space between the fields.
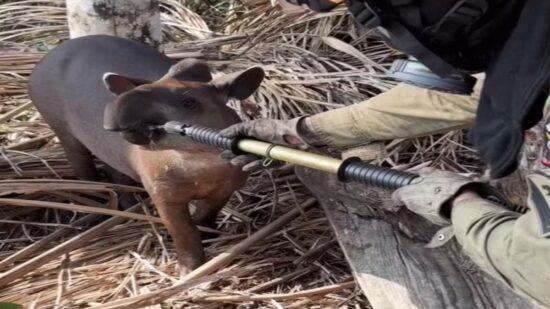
x=507 y=245
x=402 y=112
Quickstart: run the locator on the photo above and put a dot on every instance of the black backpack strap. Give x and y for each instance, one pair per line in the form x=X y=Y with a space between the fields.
x=363 y=14
x=401 y=37
x=408 y=11
x=458 y=21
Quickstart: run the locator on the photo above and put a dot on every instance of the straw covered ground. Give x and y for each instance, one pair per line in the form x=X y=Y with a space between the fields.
x=63 y=244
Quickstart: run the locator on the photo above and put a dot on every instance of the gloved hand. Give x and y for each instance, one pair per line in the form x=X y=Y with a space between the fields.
x=431 y=194
x=248 y=162
x=291 y=133
x=280 y=132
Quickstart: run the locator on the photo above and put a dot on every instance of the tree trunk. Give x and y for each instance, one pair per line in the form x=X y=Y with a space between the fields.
x=138 y=20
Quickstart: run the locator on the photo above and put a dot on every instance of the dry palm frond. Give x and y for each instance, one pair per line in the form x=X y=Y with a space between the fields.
x=33 y=22
x=131 y=258
x=43 y=25
x=181 y=23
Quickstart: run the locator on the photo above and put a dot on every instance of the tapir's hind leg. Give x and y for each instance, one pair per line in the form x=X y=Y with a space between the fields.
x=205 y=214
x=125 y=199
x=207 y=210
x=79 y=156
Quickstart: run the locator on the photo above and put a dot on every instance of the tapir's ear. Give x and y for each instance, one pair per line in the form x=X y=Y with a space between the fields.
x=190 y=70
x=118 y=84
x=240 y=85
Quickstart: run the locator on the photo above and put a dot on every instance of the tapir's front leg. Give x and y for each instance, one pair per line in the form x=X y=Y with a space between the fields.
x=185 y=235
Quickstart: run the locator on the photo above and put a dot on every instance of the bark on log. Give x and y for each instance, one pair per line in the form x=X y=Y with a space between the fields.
x=133 y=19
x=386 y=253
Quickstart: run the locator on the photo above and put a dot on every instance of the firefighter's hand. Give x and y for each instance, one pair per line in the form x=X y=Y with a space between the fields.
x=293 y=133
x=432 y=193
x=280 y=132
x=250 y=163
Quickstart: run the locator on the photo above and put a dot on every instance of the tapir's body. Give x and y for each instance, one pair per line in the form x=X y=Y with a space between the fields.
x=68 y=89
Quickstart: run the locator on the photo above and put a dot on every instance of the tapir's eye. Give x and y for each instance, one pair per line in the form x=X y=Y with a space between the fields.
x=190 y=103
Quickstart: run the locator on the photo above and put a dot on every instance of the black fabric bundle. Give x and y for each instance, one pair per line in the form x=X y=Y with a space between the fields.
x=515 y=90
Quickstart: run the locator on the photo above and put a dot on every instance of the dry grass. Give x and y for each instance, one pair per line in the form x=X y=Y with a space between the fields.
x=282 y=252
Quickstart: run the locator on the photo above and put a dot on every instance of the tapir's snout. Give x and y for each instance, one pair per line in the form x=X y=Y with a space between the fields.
x=116 y=125
x=138 y=136
x=131 y=111
x=112 y=128
x=133 y=120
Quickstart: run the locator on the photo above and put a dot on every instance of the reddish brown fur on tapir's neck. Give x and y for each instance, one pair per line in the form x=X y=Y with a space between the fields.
x=69 y=87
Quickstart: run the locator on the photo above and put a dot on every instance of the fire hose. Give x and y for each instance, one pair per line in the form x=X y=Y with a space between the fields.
x=351 y=169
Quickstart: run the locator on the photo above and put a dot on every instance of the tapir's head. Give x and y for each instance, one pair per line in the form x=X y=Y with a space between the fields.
x=187 y=93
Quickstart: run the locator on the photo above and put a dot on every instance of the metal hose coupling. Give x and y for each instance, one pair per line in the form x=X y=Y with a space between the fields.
x=171 y=127
x=202 y=135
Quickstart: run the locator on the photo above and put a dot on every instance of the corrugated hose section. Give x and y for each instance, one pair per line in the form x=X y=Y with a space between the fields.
x=373 y=175
x=209 y=137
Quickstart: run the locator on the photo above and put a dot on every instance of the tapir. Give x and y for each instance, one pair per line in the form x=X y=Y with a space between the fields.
x=102 y=94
